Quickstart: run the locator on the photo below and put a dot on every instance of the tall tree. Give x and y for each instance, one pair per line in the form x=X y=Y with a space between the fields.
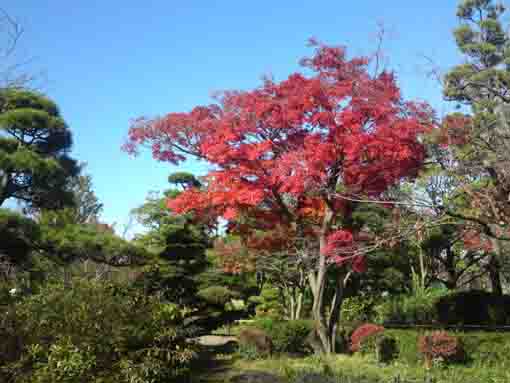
x=35 y=167
x=479 y=142
x=292 y=153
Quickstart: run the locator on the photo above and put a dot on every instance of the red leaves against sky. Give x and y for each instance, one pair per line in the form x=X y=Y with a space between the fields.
x=290 y=139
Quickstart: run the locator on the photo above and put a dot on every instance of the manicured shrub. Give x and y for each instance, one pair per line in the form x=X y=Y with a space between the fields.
x=363 y=338
x=441 y=346
x=412 y=309
x=255 y=338
x=287 y=336
x=268 y=304
x=474 y=308
x=290 y=336
x=481 y=348
x=217 y=295
x=438 y=307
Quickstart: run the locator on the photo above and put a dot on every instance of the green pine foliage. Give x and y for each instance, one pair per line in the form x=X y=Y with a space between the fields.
x=34 y=143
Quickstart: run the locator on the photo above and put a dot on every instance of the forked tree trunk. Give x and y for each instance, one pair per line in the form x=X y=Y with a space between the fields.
x=293 y=303
x=326 y=321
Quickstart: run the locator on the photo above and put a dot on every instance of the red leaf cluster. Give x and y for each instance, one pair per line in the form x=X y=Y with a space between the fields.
x=440 y=344
x=454 y=131
x=362 y=333
x=475 y=241
x=235 y=257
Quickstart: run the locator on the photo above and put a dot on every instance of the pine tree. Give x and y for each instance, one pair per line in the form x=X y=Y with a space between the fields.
x=34 y=143
x=479 y=142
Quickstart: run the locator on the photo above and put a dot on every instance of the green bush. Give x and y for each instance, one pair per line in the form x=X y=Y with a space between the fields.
x=217 y=295
x=268 y=303
x=482 y=348
x=287 y=336
x=248 y=352
x=386 y=349
x=93 y=331
x=437 y=306
x=412 y=309
x=358 y=309
x=474 y=308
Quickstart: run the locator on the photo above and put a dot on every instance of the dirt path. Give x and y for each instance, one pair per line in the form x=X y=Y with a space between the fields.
x=214 y=364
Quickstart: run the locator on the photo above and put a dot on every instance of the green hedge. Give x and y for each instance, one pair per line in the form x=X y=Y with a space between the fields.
x=448 y=308
x=474 y=308
x=487 y=348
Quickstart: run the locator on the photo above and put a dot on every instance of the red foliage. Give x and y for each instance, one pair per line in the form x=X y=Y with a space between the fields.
x=454 y=131
x=475 y=241
x=235 y=257
x=362 y=333
x=277 y=148
x=440 y=344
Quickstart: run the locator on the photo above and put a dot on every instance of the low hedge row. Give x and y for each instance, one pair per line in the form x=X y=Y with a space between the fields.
x=439 y=307
x=487 y=348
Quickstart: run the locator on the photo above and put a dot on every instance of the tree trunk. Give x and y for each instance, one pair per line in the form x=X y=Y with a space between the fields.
x=295 y=303
x=325 y=323
x=495 y=268
x=451 y=271
x=299 y=305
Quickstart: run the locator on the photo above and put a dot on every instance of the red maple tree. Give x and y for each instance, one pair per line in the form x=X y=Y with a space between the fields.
x=288 y=152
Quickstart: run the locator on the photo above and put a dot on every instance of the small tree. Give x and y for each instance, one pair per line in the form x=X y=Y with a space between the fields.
x=178 y=244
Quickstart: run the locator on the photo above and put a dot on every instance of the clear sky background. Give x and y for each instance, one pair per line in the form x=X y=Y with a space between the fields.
x=108 y=61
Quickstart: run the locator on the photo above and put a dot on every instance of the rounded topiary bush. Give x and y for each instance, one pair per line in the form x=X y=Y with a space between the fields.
x=287 y=336
x=441 y=346
x=217 y=295
x=255 y=340
x=364 y=337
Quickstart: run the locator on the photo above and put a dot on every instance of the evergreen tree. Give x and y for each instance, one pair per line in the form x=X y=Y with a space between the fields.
x=35 y=167
x=178 y=244
x=479 y=143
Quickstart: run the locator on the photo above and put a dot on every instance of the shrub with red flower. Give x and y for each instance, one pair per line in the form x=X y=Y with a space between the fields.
x=363 y=333
x=440 y=346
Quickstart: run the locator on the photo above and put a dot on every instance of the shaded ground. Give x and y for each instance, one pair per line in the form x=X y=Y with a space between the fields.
x=215 y=364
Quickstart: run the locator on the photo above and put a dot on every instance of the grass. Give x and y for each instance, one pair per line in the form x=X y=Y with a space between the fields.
x=363 y=367
x=489 y=352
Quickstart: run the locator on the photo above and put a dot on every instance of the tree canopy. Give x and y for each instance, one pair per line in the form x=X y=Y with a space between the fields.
x=294 y=153
x=34 y=144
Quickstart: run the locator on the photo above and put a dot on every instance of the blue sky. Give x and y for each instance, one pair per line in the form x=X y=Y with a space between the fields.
x=110 y=61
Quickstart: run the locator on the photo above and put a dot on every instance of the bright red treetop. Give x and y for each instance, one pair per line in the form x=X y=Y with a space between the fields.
x=283 y=149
